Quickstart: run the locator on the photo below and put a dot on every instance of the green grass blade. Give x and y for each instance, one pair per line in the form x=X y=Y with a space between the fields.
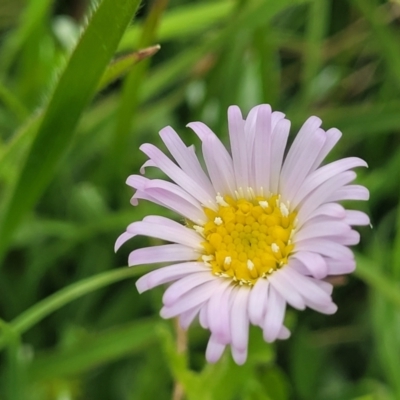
x=182 y=22
x=316 y=31
x=123 y=65
x=74 y=90
x=372 y=275
x=52 y=303
x=100 y=349
x=33 y=15
x=12 y=103
x=386 y=40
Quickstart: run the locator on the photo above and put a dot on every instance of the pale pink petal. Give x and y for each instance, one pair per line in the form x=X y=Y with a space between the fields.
x=219 y=166
x=274 y=316
x=325 y=286
x=293 y=176
x=168 y=274
x=262 y=149
x=214 y=350
x=351 y=238
x=177 y=175
x=278 y=144
x=171 y=187
x=325 y=247
x=148 y=163
x=239 y=356
x=184 y=285
x=276 y=116
x=176 y=203
x=323 y=193
x=321 y=229
x=186 y=158
x=197 y=296
x=286 y=289
x=354 y=217
x=350 y=192
x=312 y=292
x=239 y=319
x=258 y=301
x=284 y=333
x=239 y=151
x=122 y=239
x=341 y=266
x=164 y=221
x=314 y=262
x=181 y=235
x=203 y=316
x=219 y=312
x=324 y=173
x=332 y=137
x=186 y=318
x=300 y=143
x=330 y=210
x=163 y=253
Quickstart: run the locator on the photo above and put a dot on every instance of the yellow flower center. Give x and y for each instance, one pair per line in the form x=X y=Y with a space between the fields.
x=247 y=239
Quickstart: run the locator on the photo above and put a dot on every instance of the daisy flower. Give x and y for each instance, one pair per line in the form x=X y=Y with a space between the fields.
x=260 y=230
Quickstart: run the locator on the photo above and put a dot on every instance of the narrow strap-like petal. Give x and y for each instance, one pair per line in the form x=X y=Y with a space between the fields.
x=122 y=239
x=240 y=319
x=279 y=139
x=217 y=159
x=214 y=350
x=333 y=135
x=262 y=149
x=324 y=173
x=323 y=193
x=350 y=192
x=177 y=175
x=219 y=312
x=322 y=229
x=258 y=301
x=181 y=235
x=325 y=247
x=184 y=285
x=286 y=289
x=273 y=320
x=186 y=158
x=163 y=253
x=238 y=148
x=197 y=296
x=314 y=262
x=340 y=267
x=187 y=317
x=356 y=218
x=167 y=274
x=299 y=165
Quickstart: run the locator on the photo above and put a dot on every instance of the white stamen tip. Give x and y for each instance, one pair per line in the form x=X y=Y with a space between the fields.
x=228 y=260
x=284 y=210
x=218 y=221
x=207 y=258
x=221 y=201
x=250 y=264
x=274 y=247
x=263 y=204
x=198 y=229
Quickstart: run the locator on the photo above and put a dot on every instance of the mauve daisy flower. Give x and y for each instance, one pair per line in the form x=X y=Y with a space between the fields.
x=260 y=230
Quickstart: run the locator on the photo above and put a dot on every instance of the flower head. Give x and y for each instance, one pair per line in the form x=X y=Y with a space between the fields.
x=260 y=230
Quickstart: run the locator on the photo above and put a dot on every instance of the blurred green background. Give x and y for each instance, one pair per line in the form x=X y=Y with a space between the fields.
x=75 y=105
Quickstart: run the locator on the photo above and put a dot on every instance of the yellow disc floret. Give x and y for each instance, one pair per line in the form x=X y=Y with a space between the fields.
x=247 y=239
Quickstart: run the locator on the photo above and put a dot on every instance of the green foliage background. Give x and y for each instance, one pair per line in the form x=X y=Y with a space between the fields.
x=75 y=104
